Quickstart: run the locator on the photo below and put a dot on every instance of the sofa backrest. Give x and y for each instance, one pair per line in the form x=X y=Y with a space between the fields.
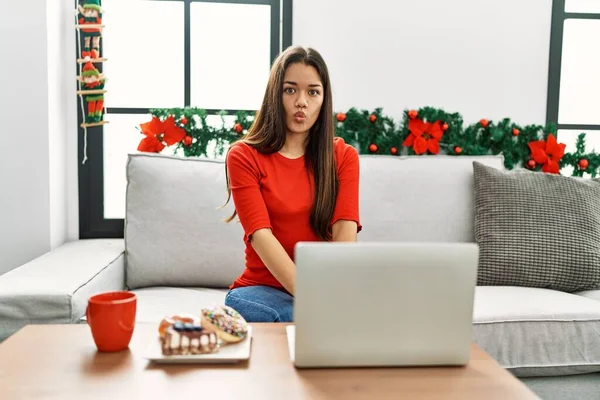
x=419 y=198
x=175 y=234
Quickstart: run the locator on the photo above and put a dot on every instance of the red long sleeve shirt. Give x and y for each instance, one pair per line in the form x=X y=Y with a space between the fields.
x=273 y=191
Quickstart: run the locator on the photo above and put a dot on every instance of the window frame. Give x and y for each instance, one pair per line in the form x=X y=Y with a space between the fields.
x=559 y=16
x=92 y=223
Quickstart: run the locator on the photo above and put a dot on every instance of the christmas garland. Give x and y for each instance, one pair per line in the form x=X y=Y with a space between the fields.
x=426 y=131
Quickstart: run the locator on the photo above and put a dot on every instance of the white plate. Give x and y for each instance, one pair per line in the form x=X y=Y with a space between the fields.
x=229 y=353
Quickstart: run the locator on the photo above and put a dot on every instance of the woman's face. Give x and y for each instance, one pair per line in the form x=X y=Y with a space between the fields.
x=302 y=97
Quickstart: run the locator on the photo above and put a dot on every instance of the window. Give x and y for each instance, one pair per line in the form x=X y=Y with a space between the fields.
x=210 y=54
x=573 y=81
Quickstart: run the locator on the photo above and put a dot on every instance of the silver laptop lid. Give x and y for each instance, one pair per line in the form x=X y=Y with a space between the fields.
x=384 y=304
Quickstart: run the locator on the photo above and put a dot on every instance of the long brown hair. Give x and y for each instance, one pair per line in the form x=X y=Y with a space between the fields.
x=268 y=133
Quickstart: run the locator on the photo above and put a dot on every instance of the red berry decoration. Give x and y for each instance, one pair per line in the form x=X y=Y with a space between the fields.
x=445 y=127
x=187 y=140
x=484 y=122
x=394 y=150
x=516 y=132
x=458 y=150
x=531 y=164
x=583 y=164
x=373 y=147
x=412 y=114
x=238 y=128
x=184 y=120
x=341 y=117
x=372 y=118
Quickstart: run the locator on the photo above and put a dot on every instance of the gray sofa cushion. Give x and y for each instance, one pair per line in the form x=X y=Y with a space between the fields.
x=174 y=231
x=590 y=294
x=158 y=302
x=418 y=198
x=537 y=230
x=54 y=288
x=572 y=387
x=538 y=332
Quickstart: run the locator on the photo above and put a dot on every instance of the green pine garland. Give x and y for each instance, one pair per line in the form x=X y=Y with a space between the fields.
x=203 y=134
x=375 y=133
x=592 y=160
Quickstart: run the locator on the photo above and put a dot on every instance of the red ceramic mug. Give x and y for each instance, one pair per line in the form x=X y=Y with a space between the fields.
x=111 y=317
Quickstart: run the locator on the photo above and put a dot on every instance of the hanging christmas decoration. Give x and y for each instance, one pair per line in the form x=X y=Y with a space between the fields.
x=92 y=83
x=91 y=90
x=90 y=21
x=426 y=131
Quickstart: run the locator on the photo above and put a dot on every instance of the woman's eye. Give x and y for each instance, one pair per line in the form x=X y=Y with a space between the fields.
x=289 y=90
x=313 y=92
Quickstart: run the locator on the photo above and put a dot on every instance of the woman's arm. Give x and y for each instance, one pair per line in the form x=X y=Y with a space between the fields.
x=344 y=231
x=276 y=259
x=252 y=211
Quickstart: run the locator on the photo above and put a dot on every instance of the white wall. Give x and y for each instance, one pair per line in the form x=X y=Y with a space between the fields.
x=24 y=190
x=71 y=103
x=38 y=170
x=64 y=207
x=62 y=118
x=482 y=59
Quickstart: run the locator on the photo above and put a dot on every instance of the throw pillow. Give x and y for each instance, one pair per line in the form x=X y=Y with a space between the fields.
x=536 y=229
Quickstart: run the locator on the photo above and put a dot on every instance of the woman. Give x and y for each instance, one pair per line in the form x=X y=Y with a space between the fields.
x=290 y=181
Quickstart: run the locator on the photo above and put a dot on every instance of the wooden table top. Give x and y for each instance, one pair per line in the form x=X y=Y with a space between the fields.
x=61 y=362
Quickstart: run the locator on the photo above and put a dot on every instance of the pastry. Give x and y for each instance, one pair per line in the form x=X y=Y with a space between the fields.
x=167 y=322
x=229 y=324
x=189 y=339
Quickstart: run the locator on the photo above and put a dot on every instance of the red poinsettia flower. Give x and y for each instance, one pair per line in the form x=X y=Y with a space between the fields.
x=151 y=144
x=548 y=153
x=158 y=133
x=424 y=136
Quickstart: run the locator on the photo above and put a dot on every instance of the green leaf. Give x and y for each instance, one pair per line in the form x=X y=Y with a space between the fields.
x=496 y=134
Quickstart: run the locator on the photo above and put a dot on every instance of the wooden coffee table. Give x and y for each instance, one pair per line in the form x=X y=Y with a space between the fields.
x=61 y=362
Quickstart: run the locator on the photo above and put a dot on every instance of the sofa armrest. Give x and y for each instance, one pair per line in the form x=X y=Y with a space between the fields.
x=54 y=288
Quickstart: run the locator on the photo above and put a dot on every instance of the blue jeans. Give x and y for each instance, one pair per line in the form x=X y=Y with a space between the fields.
x=261 y=304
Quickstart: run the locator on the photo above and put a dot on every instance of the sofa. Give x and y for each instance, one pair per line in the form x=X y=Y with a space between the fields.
x=178 y=255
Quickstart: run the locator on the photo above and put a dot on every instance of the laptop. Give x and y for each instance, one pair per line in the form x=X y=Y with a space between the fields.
x=373 y=304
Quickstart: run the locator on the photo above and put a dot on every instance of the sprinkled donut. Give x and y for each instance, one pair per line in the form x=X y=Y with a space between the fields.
x=229 y=324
